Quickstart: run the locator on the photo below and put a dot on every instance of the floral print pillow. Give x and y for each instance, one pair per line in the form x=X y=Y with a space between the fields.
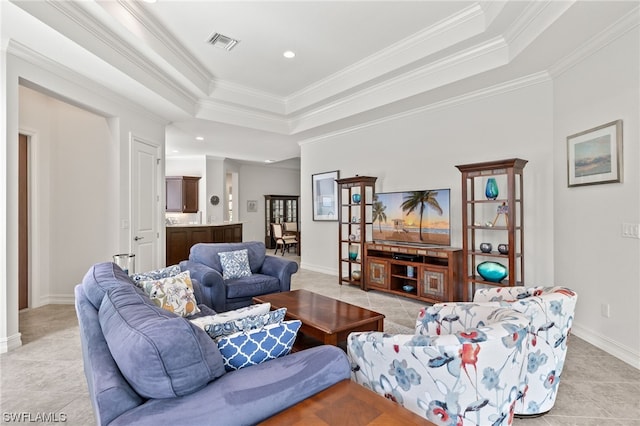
x=175 y=294
x=156 y=274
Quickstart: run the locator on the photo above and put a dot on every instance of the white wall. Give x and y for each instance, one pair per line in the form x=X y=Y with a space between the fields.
x=70 y=224
x=590 y=254
x=420 y=150
x=256 y=181
x=88 y=169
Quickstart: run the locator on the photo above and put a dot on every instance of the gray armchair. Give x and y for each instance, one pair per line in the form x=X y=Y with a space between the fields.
x=269 y=274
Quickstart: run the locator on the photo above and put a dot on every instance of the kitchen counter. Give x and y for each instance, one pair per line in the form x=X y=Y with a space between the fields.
x=181 y=237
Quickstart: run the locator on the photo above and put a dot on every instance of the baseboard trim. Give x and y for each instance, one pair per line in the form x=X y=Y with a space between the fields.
x=57 y=299
x=321 y=269
x=9 y=343
x=611 y=347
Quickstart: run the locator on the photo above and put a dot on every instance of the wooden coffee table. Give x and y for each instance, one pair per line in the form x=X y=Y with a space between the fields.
x=325 y=319
x=346 y=403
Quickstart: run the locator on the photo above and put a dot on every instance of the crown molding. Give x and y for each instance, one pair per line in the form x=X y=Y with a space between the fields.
x=454 y=29
x=41 y=62
x=225 y=91
x=534 y=20
x=466 y=63
x=495 y=90
x=167 y=46
x=238 y=115
x=619 y=28
x=75 y=22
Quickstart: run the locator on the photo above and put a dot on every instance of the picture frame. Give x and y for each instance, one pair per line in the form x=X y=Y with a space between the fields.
x=252 y=206
x=324 y=195
x=594 y=156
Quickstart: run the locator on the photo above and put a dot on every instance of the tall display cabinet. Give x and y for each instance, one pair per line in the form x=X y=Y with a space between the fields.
x=355 y=226
x=278 y=209
x=492 y=224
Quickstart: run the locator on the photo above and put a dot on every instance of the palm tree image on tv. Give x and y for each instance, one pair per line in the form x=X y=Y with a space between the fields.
x=412 y=217
x=378 y=212
x=421 y=200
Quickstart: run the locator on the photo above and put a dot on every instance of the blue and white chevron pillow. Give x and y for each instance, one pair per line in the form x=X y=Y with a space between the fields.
x=254 y=347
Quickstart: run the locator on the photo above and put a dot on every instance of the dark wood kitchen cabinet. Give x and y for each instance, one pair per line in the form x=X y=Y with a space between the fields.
x=182 y=194
x=180 y=239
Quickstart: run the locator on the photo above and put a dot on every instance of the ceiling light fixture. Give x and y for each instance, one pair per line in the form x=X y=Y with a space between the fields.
x=222 y=41
x=269 y=161
x=289 y=54
x=199 y=138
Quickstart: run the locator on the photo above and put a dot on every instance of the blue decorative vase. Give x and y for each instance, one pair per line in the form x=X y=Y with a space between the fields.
x=492 y=271
x=356 y=198
x=491 y=190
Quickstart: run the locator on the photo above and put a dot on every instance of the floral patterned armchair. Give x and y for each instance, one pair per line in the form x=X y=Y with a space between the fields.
x=550 y=311
x=463 y=365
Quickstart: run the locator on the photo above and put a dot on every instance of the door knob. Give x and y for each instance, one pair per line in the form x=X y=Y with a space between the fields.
x=136 y=238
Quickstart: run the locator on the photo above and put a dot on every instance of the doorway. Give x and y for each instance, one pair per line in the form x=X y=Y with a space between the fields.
x=23 y=221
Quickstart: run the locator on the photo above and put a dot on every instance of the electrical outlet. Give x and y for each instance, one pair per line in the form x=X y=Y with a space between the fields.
x=605 y=310
x=631 y=230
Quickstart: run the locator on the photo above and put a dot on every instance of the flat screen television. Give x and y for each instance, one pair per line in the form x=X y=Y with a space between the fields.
x=412 y=217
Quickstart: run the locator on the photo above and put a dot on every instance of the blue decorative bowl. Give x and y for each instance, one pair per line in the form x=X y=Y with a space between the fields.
x=356 y=198
x=492 y=271
x=408 y=288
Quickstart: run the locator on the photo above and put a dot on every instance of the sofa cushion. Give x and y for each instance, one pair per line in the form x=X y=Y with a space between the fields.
x=244 y=349
x=235 y=264
x=207 y=253
x=256 y=322
x=160 y=354
x=100 y=278
x=254 y=285
x=174 y=294
x=156 y=274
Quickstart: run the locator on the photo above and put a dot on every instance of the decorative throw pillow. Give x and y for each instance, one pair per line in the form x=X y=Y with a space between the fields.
x=248 y=311
x=256 y=322
x=169 y=271
x=174 y=294
x=235 y=264
x=244 y=349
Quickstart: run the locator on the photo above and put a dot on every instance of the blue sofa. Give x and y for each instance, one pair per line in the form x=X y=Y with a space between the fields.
x=147 y=366
x=269 y=274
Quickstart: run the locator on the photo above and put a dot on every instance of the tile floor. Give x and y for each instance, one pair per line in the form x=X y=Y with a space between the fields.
x=45 y=374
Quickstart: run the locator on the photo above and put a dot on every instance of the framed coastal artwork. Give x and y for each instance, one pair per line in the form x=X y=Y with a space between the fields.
x=594 y=156
x=324 y=191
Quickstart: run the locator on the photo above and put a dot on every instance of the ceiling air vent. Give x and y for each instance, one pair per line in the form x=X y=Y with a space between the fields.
x=222 y=41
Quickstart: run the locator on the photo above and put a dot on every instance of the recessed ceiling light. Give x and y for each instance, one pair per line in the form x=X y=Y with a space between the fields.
x=269 y=161
x=199 y=138
x=289 y=54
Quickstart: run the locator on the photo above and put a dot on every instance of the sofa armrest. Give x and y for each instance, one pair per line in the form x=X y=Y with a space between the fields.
x=211 y=284
x=280 y=268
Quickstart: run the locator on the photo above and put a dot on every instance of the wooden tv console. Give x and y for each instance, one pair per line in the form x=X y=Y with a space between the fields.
x=433 y=273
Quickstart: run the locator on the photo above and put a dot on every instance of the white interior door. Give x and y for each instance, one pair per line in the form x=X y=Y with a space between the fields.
x=145 y=201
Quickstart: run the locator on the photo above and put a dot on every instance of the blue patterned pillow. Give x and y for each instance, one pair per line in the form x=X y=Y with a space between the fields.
x=235 y=264
x=255 y=322
x=156 y=274
x=257 y=346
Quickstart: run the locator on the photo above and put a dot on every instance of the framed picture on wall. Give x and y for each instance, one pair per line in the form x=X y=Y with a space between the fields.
x=324 y=190
x=595 y=155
